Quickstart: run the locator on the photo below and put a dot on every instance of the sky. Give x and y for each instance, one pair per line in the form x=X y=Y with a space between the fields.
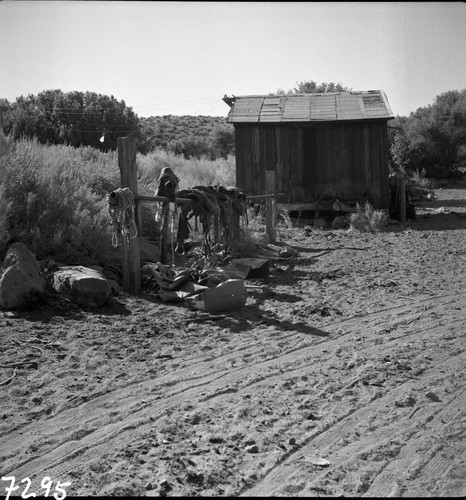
x=181 y=58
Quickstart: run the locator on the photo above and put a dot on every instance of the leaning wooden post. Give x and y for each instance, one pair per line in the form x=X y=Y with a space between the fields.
x=270 y=206
x=402 y=198
x=234 y=232
x=166 y=241
x=216 y=228
x=131 y=256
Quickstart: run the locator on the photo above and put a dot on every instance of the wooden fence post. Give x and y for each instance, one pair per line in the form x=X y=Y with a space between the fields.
x=216 y=229
x=234 y=232
x=131 y=254
x=166 y=236
x=270 y=206
x=402 y=197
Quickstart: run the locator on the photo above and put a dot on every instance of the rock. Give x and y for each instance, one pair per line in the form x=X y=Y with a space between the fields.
x=83 y=285
x=114 y=286
x=292 y=441
x=417 y=193
x=112 y=282
x=289 y=252
x=432 y=396
x=165 y=486
x=319 y=223
x=20 y=281
x=319 y=461
x=252 y=449
x=340 y=222
x=113 y=273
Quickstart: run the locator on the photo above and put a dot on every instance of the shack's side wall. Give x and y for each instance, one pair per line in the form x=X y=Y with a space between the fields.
x=347 y=160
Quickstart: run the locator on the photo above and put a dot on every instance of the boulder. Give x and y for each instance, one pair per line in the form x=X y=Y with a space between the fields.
x=340 y=222
x=111 y=276
x=320 y=223
x=83 y=285
x=20 y=280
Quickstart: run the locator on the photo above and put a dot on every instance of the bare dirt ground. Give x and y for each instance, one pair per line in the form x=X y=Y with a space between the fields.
x=343 y=375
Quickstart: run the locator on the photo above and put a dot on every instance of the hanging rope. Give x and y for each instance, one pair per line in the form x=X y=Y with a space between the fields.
x=121 y=208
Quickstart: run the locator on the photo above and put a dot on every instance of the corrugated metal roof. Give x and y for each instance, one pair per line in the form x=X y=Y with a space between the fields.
x=247 y=109
x=331 y=106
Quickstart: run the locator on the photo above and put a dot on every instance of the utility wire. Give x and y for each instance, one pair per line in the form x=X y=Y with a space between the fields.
x=102 y=124
x=208 y=107
x=113 y=108
x=186 y=103
x=100 y=132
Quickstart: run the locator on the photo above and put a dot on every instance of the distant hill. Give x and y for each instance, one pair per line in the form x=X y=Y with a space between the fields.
x=160 y=131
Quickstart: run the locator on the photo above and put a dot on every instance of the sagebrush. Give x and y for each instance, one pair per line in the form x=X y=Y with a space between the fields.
x=367 y=219
x=53 y=197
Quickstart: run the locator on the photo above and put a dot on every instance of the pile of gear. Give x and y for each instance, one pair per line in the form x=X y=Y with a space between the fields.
x=170 y=285
x=213 y=283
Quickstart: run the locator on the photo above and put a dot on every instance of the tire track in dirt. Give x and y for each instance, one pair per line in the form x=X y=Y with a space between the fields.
x=409 y=462
x=95 y=435
x=203 y=366
x=271 y=484
x=185 y=373
x=294 y=466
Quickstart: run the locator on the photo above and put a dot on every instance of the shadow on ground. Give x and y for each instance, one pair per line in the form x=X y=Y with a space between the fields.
x=250 y=315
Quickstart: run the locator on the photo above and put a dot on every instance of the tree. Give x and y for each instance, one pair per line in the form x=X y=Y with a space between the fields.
x=223 y=140
x=434 y=137
x=74 y=118
x=190 y=147
x=311 y=87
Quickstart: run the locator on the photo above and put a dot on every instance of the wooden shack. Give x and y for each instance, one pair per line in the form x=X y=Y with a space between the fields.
x=312 y=147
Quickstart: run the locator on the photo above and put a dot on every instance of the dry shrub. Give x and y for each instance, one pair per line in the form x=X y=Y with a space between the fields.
x=419 y=179
x=48 y=202
x=367 y=219
x=252 y=236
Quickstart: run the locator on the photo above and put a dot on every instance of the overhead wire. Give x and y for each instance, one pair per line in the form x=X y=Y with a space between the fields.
x=182 y=103
x=207 y=107
x=109 y=128
x=105 y=131
x=187 y=102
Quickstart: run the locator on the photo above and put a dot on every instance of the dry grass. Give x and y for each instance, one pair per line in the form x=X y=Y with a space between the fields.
x=418 y=178
x=252 y=236
x=367 y=219
x=191 y=172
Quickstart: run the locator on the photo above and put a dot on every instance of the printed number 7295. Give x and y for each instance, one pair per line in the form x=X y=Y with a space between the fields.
x=46 y=484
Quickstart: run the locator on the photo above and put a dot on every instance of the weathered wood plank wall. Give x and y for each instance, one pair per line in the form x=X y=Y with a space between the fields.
x=349 y=160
